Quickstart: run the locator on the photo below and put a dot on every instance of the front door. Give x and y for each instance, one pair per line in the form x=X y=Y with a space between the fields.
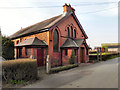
x=82 y=55
x=40 y=55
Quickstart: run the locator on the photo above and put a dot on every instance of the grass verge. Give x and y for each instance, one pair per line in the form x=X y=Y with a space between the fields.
x=62 y=68
x=112 y=57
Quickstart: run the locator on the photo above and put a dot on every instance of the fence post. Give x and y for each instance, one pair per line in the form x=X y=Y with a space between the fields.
x=100 y=56
x=48 y=64
x=97 y=55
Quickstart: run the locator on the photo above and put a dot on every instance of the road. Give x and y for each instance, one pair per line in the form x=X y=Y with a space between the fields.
x=99 y=75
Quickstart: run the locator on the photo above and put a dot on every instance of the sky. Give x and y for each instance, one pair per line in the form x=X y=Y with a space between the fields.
x=99 y=18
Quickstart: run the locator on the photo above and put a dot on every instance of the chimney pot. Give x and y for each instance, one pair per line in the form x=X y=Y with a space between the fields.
x=68 y=8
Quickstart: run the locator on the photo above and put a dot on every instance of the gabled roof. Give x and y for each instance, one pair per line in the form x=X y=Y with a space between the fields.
x=79 y=41
x=31 y=42
x=36 y=27
x=71 y=43
x=45 y=26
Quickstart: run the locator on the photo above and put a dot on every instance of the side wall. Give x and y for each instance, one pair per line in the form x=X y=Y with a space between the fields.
x=42 y=36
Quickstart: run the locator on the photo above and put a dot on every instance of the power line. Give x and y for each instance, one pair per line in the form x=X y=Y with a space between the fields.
x=87 y=4
x=72 y=5
x=80 y=4
x=99 y=10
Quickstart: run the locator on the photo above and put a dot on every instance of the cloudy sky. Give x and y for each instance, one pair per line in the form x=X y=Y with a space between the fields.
x=99 y=18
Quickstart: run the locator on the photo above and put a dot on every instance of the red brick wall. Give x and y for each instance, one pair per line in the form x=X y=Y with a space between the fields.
x=62 y=29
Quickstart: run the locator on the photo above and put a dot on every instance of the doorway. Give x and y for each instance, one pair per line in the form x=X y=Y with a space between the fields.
x=40 y=55
x=82 y=55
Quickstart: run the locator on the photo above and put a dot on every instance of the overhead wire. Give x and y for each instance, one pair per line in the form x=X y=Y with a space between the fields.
x=79 y=4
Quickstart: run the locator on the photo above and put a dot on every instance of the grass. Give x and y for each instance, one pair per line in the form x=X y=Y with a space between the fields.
x=105 y=53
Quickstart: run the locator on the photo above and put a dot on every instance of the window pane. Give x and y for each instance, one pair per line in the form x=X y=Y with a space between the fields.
x=74 y=33
x=68 y=34
x=20 y=52
x=71 y=31
x=55 y=41
x=66 y=52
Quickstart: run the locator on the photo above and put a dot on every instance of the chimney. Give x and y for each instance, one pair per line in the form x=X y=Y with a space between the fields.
x=68 y=8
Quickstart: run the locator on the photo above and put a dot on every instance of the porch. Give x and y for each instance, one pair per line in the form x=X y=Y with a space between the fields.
x=32 y=48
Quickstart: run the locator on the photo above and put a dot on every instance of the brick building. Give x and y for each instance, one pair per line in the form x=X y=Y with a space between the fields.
x=56 y=37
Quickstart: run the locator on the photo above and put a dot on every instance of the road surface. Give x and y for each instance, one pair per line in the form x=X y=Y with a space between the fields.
x=99 y=75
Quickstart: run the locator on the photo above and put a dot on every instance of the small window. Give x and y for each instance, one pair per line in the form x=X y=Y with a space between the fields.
x=75 y=50
x=68 y=32
x=66 y=52
x=20 y=52
x=87 y=52
x=17 y=41
x=71 y=31
x=26 y=51
x=74 y=33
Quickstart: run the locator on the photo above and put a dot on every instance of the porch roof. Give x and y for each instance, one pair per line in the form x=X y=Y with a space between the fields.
x=32 y=42
x=72 y=43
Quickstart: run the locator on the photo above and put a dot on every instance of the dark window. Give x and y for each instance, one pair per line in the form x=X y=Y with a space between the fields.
x=66 y=52
x=75 y=50
x=68 y=32
x=17 y=41
x=71 y=31
x=55 y=41
x=20 y=52
x=87 y=52
x=26 y=51
x=74 y=33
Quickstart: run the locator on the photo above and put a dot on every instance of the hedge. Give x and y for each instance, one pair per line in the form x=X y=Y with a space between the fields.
x=21 y=69
x=62 y=68
x=104 y=56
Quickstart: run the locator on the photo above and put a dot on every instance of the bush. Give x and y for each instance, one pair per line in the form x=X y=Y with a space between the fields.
x=23 y=69
x=7 y=48
x=72 y=59
x=62 y=68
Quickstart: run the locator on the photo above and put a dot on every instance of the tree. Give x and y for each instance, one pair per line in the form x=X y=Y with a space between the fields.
x=7 y=48
x=0 y=44
x=72 y=59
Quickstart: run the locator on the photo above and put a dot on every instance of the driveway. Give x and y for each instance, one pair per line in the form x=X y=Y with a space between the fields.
x=99 y=75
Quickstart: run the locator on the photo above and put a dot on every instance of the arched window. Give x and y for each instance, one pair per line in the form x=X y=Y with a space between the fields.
x=74 y=33
x=68 y=32
x=71 y=31
x=55 y=41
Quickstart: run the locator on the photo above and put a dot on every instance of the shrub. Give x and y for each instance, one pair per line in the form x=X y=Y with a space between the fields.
x=62 y=68
x=72 y=59
x=22 y=69
x=7 y=44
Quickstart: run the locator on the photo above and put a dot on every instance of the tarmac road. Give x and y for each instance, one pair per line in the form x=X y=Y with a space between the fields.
x=99 y=75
